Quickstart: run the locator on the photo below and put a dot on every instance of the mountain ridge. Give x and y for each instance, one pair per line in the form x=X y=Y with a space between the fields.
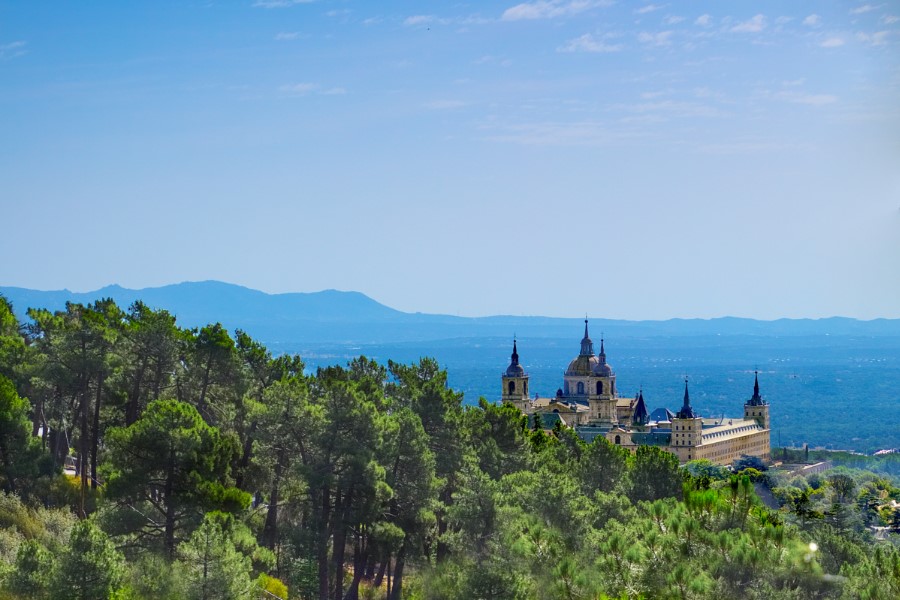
x=353 y=317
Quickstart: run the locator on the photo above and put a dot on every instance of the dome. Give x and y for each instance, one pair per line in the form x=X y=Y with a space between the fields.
x=603 y=370
x=515 y=370
x=583 y=365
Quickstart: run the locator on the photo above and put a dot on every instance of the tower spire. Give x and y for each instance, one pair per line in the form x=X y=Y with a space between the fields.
x=686 y=411
x=587 y=346
x=756 y=400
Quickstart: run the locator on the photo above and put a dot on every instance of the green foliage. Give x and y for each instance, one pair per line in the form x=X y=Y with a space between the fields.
x=90 y=568
x=19 y=452
x=654 y=475
x=215 y=569
x=31 y=576
x=172 y=464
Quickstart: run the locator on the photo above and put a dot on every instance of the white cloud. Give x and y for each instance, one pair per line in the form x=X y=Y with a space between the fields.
x=810 y=99
x=754 y=25
x=890 y=19
x=299 y=89
x=12 y=50
x=419 y=20
x=279 y=3
x=549 y=9
x=832 y=42
x=878 y=38
x=703 y=21
x=864 y=9
x=287 y=35
x=673 y=19
x=657 y=39
x=783 y=20
x=306 y=89
x=371 y=21
x=588 y=43
x=812 y=20
x=444 y=104
x=649 y=8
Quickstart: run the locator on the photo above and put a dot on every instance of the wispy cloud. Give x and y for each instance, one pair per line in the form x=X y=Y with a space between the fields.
x=279 y=3
x=581 y=133
x=588 y=43
x=864 y=9
x=445 y=104
x=307 y=89
x=673 y=20
x=809 y=99
x=832 y=42
x=703 y=20
x=287 y=35
x=890 y=19
x=754 y=25
x=812 y=20
x=660 y=38
x=12 y=50
x=549 y=9
x=649 y=8
x=878 y=38
x=419 y=20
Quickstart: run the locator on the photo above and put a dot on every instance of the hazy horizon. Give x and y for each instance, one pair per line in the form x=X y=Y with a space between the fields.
x=551 y=157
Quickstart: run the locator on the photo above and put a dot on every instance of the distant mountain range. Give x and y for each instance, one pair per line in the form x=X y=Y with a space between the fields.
x=353 y=318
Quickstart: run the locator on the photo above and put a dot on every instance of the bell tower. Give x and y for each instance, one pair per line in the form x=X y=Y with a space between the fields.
x=515 y=382
x=756 y=408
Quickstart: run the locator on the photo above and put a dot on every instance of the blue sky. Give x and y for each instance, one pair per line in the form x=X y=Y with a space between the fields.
x=628 y=160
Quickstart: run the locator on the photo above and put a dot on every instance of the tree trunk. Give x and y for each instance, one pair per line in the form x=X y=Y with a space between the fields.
x=170 y=506
x=322 y=545
x=201 y=402
x=83 y=446
x=397 y=592
x=359 y=568
x=246 y=455
x=339 y=542
x=134 y=398
x=95 y=440
x=270 y=529
x=382 y=568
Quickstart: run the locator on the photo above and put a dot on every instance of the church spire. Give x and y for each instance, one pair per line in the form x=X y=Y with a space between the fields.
x=686 y=411
x=756 y=400
x=587 y=346
x=641 y=416
x=514 y=359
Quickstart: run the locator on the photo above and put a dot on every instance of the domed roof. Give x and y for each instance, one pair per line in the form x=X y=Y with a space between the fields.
x=602 y=370
x=583 y=365
x=514 y=369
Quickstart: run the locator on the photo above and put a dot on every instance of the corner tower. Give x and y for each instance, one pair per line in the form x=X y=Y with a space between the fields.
x=515 y=382
x=687 y=430
x=756 y=408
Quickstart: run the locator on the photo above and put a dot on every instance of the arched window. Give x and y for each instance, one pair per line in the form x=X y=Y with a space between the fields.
x=599 y=387
x=580 y=388
x=566 y=386
x=618 y=440
x=526 y=387
x=512 y=388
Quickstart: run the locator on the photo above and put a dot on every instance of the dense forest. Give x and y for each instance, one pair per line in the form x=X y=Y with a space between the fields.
x=142 y=460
